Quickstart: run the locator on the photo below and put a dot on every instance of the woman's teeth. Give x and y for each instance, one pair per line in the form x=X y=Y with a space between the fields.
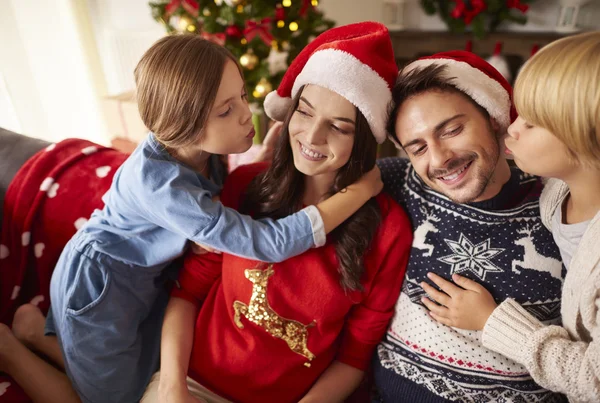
x=310 y=153
x=455 y=174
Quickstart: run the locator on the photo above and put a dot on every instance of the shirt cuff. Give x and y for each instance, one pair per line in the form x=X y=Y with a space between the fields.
x=318 y=227
x=509 y=331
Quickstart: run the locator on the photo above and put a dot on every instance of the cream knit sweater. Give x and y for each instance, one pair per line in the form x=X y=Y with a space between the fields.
x=563 y=359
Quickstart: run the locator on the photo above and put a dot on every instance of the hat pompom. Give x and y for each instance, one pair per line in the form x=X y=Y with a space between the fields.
x=276 y=107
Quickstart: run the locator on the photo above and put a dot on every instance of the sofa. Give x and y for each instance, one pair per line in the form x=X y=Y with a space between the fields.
x=15 y=149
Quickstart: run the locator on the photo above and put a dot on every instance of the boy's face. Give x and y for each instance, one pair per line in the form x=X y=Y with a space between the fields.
x=451 y=145
x=538 y=152
x=229 y=128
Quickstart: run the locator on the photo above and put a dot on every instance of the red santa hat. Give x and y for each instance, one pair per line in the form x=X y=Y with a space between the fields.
x=355 y=61
x=476 y=78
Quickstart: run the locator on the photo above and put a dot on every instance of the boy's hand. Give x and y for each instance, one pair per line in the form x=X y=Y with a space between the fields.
x=466 y=308
x=371 y=181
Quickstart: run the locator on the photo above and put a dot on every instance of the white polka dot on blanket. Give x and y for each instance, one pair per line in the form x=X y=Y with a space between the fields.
x=25 y=238
x=3 y=387
x=36 y=300
x=51 y=147
x=15 y=293
x=80 y=222
x=46 y=184
x=38 y=249
x=102 y=171
x=89 y=150
x=4 y=252
x=53 y=190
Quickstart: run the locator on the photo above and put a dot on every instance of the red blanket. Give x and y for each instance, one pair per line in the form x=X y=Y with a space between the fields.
x=51 y=196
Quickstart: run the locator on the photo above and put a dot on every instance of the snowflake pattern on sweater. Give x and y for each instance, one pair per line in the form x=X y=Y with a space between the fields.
x=506 y=250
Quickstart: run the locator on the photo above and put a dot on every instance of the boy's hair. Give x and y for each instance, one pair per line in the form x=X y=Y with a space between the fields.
x=559 y=89
x=419 y=81
x=177 y=80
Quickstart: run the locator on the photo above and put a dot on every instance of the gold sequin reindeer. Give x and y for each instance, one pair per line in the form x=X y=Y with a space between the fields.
x=258 y=311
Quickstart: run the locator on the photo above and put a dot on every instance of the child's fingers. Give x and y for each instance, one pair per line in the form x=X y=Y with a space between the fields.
x=467 y=283
x=439 y=310
x=436 y=295
x=441 y=319
x=445 y=285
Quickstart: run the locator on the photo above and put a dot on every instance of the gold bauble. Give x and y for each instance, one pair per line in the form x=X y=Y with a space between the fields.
x=183 y=23
x=262 y=88
x=249 y=60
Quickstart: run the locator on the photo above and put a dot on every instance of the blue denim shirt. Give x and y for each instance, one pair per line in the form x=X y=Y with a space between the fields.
x=156 y=204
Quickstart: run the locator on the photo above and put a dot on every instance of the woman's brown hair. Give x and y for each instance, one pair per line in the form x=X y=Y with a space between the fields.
x=278 y=193
x=177 y=80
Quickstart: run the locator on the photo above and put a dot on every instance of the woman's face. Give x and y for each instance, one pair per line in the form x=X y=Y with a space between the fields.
x=322 y=131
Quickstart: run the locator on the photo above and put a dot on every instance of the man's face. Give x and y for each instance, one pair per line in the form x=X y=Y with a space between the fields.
x=451 y=145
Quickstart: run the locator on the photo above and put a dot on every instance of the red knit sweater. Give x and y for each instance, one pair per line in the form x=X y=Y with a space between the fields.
x=295 y=319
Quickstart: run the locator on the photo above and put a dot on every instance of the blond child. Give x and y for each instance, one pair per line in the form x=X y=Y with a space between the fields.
x=557 y=135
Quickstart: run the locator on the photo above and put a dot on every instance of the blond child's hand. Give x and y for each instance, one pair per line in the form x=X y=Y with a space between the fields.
x=370 y=182
x=466 y=307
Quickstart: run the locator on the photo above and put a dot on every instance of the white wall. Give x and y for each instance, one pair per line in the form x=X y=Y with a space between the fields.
x=14 y=67
x=48 y=66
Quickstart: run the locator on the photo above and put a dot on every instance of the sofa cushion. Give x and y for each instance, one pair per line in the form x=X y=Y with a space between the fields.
x=15 y=149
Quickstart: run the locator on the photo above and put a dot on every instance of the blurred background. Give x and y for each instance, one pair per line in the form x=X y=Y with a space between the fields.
x=66 y=66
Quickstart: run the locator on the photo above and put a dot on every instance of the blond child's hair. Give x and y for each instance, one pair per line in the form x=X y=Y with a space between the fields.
x=177 y=80
x=559 y=89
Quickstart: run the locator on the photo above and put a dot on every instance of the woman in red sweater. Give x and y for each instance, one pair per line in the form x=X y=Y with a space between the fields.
x=304 y=329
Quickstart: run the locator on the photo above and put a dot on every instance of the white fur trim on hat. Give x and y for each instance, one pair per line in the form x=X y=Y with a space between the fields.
x=483 y=89
x=344 y=74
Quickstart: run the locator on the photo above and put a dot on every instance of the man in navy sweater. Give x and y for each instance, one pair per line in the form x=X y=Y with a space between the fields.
x=472 y=214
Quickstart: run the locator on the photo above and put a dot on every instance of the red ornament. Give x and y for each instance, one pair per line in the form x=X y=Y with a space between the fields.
x=218 y=38
x=306 y=5
x=458 y=10
x=279 y=13
x=262 y=29
x=191 y=6
x=518 y=5
x=477 y=6
x=234 y=31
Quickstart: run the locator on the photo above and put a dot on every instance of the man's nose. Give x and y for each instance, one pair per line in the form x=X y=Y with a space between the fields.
x=439 y=155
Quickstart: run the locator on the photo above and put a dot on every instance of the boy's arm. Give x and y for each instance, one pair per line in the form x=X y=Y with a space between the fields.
x=335 y=384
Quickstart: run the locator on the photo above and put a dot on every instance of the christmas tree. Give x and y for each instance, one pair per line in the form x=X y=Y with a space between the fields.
x=265 y=35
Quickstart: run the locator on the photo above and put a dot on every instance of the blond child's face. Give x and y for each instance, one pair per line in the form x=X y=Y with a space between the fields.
x=229 y=128
x=537 y=151
x=451 y=144
x=321 y=131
